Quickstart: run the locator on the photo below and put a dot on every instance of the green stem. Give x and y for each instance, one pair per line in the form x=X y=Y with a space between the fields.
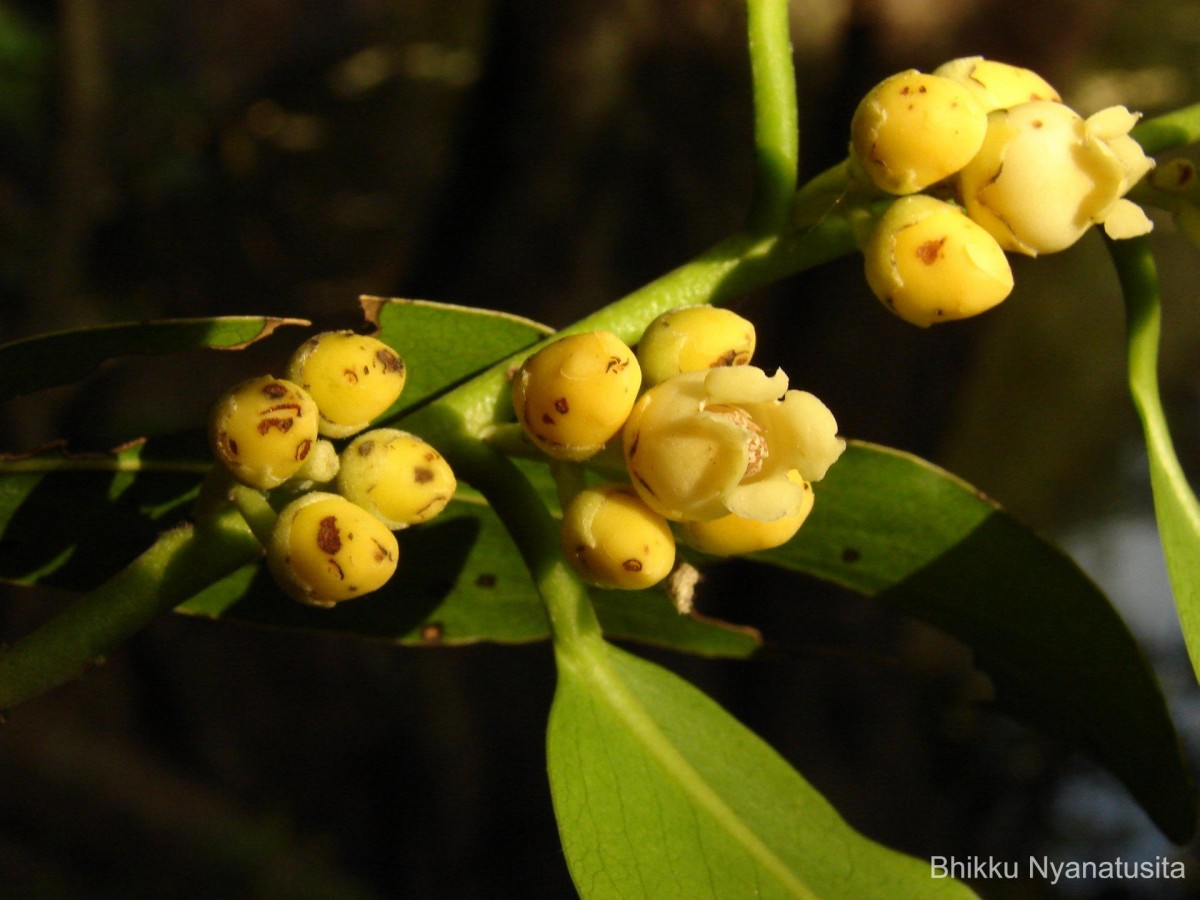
x=776 y=125
x=533 y=529
x=1175 y=504
x=733 y=267
x=178 y=565
x=36 y=464
x=255 y=510
x=568 y=481
x=1173 y=129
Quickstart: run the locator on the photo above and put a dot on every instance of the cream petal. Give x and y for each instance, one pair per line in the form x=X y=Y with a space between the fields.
x=1125 y=220
x=801 y=435
x=744 y=384
x=765 y=501
x=1111 y=122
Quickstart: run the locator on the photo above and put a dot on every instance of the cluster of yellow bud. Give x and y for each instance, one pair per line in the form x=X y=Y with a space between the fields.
x=333 y=544
x=716 y=452
x=1023 y=173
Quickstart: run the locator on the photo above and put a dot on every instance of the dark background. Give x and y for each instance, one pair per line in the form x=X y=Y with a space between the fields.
x=285 y=156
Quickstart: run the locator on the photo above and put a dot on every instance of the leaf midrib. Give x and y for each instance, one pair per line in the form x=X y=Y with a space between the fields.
x=589 y=661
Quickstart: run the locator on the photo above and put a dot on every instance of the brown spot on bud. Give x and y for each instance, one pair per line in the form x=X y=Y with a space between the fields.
x=275 y=390
x=644 y=483
x=303 y=448
x=390 y=361
x=486 y=580
x=381 y=552
x=731 y=357
x=632 y=565
x=929 y=251
x=341 y=574
x=232 y=445
x=547 y=419
x=562 y=406
x=284 y=425
x=328 y=537
x=278 y=406
x=366 y=448
x=351 y=375
x=616 y=364
x=422 y=475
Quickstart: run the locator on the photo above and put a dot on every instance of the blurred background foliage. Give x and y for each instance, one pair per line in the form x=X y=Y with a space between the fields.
x=285 y=156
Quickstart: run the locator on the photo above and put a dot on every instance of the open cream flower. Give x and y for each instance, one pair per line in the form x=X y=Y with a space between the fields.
x=1044 y=175
x=705 y=444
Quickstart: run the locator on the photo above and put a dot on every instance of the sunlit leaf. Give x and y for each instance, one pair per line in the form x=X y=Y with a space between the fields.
x=48 y=360
x=659 y=792
x=443 y=345
x=893 y=527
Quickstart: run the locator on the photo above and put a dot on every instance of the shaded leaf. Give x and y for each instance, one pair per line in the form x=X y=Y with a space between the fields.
x=48 y=360
x=893 y=527
x=659 y=792
x=72 y=521
x=461 y=581
x=179 y=562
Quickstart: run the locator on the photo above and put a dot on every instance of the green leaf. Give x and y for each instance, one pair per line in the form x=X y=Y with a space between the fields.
x=73 y=521
x=443 y=345
x=48 y=360
x=178 y=564
x=461 y=581
x=659 y=792
x=1175 y=504
x=893 y=527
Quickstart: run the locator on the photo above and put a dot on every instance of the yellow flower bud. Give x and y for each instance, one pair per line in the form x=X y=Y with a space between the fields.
x=734 y=535
x=262 y=431
x=353 y=378
x=325 y=549
x=395 y=476
x=997 y=85
x=693 y=338
x=928 y=262
x=574 y=394
x=614 y=540
x=705 y=444
x=1044 y=175
x=913 y=130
